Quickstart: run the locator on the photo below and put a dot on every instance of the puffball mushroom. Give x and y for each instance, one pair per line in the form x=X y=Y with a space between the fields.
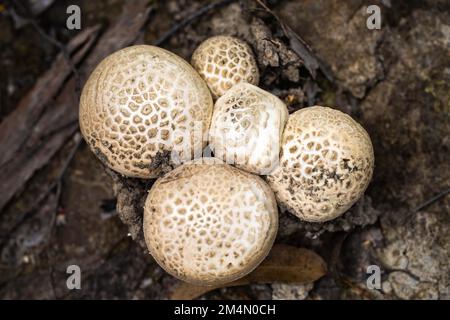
x=224 y=61
x=209 y=223
x=326 y=164
x=141 y=104
x=246 y=128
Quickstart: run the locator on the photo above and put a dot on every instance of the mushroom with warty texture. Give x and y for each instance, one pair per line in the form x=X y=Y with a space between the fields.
x=246 y=128
x=224 y=61
x=209 y=223
x=326 y=164
x=142 y=105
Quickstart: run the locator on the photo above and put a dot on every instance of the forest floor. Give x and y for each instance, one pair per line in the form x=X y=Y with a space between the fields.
x=58 y=203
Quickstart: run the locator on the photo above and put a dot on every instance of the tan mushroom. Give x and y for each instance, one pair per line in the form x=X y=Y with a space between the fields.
x=246 y=128
x=224 y=61
x=209 y=223
x=141 y=106
x=326 y=164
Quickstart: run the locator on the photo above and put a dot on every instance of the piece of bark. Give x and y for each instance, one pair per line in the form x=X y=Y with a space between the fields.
x=123 y=32
x=17 y=126
x=50 y=124
x=25 y=145
x=271 y=52
x=28 y=240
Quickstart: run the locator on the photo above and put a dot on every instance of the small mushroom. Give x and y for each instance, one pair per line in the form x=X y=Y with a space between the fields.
x=326 y=164
x=209 y=223
x=141 y=105
x=246 y=128
x=224 y=61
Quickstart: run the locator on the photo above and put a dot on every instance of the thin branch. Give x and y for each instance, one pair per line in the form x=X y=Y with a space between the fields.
x=71 y=155
x=432 y=200
x=411 y=215
x=190 y=19
x=52 y=40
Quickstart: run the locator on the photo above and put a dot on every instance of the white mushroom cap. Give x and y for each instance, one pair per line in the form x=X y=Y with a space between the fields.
x=140 y=104
x=246 y=128
x=326 y=164
x=224 y=61
x=209 y=223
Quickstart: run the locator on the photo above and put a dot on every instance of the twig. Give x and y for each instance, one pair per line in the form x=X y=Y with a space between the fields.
x=49 y=39
x=190 y=19
x=299 y=46
x=64 y=52
x=267 y=9
x=409 y=217
x=73 y=151
x=30 y=157
x=56 y=184
x=432 y=200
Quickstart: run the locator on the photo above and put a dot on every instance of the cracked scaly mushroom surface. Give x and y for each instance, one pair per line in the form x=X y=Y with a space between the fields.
x=246 y=128
x=140 y=104
x=326 y=164
x=224 y=61
x=210 y=223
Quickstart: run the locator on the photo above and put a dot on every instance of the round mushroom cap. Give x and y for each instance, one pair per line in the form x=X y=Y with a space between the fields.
x=326 y=164
x=246 y=128
x=224 y=61
x=209 y=223
x=141 y=108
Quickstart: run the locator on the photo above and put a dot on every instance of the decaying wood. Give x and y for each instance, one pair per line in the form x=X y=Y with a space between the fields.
x=17 y=126
x=48 y=115
x=23 y=135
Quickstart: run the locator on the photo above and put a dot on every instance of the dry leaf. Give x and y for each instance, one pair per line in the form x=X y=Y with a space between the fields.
x=285 y=263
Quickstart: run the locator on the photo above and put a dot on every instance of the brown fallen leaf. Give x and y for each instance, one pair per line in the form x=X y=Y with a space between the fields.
x=284 y=263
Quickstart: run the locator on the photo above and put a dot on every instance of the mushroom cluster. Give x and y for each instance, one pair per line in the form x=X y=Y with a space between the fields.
x=147 y=113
